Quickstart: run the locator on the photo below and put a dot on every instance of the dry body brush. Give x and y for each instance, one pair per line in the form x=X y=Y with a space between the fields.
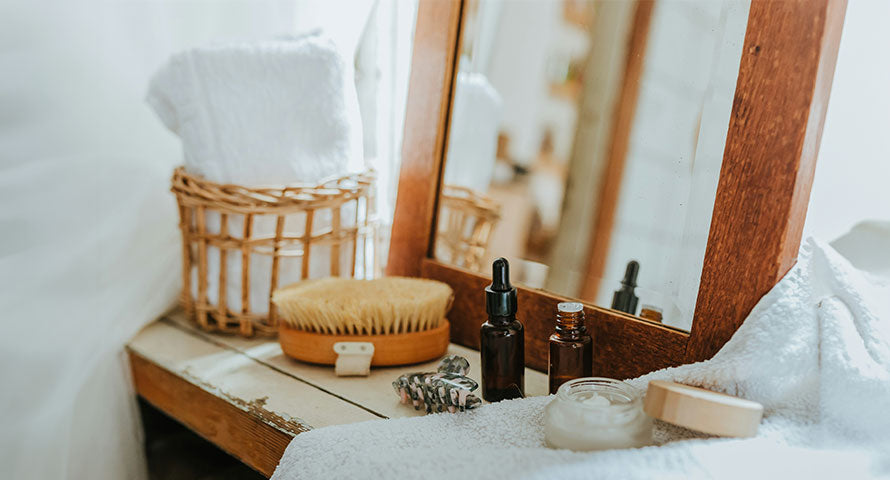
x=345 y=306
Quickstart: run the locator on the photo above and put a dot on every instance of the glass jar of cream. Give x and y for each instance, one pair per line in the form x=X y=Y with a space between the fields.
x=596 y=414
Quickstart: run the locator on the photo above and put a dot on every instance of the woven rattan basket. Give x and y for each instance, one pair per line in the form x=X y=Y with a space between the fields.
x=468 y=218
x=231 y=231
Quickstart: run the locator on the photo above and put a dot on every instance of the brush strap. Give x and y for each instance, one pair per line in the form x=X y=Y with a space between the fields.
x=353 y=359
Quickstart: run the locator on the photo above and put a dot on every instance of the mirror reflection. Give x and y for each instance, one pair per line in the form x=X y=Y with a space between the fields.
x=585 y=146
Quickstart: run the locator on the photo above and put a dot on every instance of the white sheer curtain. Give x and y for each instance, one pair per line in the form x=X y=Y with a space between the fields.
x=89 y=250
x=382 y=65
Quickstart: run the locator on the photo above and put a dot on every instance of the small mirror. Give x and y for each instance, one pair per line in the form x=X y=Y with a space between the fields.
x=585 y=145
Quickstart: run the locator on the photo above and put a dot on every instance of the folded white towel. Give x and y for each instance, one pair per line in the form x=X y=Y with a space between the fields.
x=815 y=351
x=272 y=112
x=279 y=111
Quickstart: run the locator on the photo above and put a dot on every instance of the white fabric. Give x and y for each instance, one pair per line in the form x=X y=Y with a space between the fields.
x=277 y=111
x=271 y=112
x=383 y=66
x=89 y=249
x=815 y=351
x=330 y=18
x=76 y=286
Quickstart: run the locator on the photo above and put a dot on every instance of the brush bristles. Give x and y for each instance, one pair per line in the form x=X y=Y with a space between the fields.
x=346 y=306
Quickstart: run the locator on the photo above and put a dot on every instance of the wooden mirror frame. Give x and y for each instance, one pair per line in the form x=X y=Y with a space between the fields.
x=775 y=127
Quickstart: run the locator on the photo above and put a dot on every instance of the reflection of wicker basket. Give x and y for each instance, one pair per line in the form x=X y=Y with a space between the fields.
x=206 y=209
x=465 y=224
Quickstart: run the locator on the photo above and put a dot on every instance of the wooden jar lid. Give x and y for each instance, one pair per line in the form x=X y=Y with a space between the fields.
x=702 y=410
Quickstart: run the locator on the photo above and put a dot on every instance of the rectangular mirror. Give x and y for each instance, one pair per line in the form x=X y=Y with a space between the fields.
x=682 y=135
x=585 y=145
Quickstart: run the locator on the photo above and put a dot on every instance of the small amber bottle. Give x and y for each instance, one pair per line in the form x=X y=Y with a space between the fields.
x=502 y=339
x=571 y=348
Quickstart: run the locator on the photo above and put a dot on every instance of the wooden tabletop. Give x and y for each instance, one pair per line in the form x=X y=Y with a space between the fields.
x=249 y=399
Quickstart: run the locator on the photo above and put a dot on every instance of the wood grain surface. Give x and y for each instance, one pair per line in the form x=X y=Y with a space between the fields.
x=227 y=396
x=775 y=128
x=247 y=437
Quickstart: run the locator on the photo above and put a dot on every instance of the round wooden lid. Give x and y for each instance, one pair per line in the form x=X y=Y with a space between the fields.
x=702 y=410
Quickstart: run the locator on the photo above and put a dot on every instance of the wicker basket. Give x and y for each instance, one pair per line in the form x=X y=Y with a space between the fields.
x=468 y=218
x=282 y=223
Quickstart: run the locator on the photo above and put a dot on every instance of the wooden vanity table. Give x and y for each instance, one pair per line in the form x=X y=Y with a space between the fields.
x=249 y=399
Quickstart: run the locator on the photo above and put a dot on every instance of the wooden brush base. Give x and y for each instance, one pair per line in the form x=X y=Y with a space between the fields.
x=389 y=350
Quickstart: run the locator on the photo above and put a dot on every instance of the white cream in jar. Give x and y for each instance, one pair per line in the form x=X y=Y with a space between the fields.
x=596 y=414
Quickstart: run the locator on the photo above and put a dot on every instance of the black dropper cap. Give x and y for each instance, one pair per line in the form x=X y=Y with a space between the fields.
x=624 y=299
x=500 y=296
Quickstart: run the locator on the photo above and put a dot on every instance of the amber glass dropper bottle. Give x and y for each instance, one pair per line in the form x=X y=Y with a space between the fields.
x=571 y=348
x=502 y=339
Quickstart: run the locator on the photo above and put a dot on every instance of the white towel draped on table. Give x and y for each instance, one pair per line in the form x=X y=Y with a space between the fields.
x=815 y=351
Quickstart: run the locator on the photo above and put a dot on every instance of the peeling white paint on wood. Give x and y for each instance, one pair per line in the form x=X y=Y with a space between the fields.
x=374 y=392
x=255 y=376
x=241 y=381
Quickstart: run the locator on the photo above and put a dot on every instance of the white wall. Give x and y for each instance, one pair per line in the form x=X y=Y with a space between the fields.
x=853 y=171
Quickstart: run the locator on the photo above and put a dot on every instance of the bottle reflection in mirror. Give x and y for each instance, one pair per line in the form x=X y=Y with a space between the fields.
x=624 y=299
